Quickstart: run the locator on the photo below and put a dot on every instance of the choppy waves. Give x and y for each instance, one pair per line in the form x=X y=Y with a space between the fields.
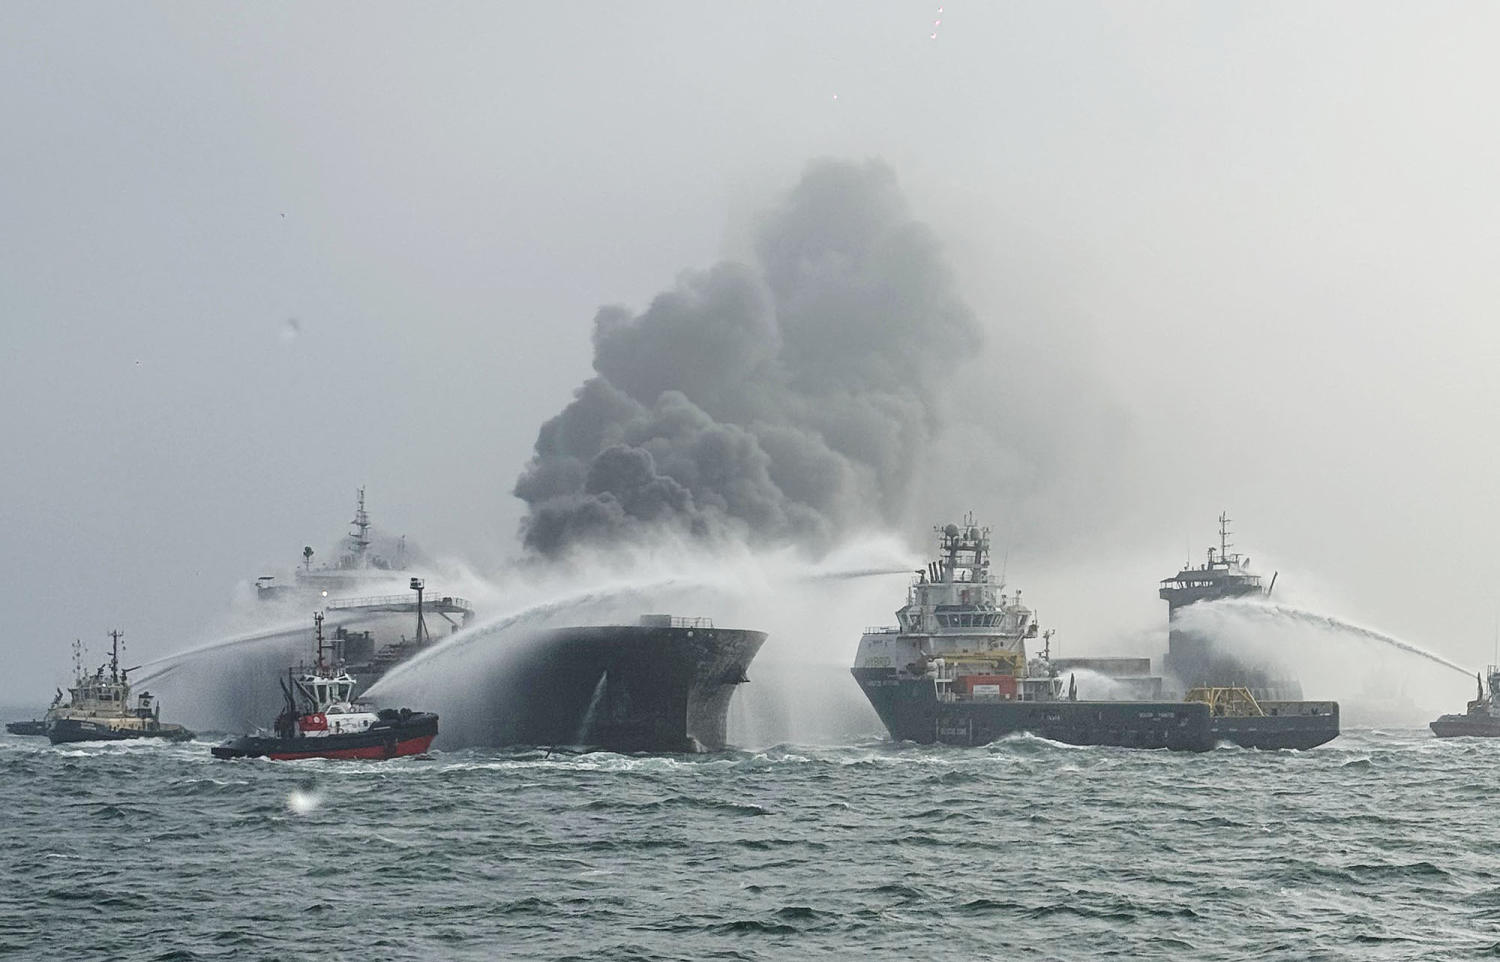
x=1379 y=845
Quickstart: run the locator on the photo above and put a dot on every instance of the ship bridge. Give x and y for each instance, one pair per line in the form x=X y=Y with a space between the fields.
x=1225 y=575
x=955 y=610
x=960 y=636
x=1195 y=657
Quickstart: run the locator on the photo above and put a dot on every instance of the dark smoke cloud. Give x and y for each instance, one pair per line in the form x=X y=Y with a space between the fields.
x=786 y=400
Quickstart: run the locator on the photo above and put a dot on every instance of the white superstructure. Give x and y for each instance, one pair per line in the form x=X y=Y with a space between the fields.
x=960 y=629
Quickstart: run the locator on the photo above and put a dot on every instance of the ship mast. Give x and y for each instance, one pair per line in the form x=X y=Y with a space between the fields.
x=360 y=537
x=114 y=655
x=1224 y=536
x=318 y=637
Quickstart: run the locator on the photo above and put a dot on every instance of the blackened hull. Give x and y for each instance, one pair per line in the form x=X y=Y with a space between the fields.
x=384 y=739
x=911 y=711
x=1270 y=732
x=62 y=731
x=627 y=688
x=26 y=727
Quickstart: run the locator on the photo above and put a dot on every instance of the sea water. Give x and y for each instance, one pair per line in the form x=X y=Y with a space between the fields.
x=1379 y=845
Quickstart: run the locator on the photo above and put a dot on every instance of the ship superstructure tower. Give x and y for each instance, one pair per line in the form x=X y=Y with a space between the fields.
x=1196 y=659
x=358 y=570
x=959 y=623
x=956 y=670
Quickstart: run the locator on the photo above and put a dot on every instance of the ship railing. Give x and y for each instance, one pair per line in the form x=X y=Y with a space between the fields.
x=438 y=603
x=883 y=630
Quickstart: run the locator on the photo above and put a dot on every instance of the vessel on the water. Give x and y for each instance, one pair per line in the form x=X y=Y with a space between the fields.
x=956 y=668
x=34 y=726
x=98 y=707
x=358 y=569
x=38 y=726
x=321 y=718
x=375 y=595
x=663 y=684
x=1254 y=705
x=1482 y=717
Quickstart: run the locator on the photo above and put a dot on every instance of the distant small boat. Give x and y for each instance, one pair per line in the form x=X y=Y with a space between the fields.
x=322 y=719
x=1481 y=720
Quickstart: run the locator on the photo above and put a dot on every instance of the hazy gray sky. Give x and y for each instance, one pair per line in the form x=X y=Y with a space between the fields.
x=1226 y=256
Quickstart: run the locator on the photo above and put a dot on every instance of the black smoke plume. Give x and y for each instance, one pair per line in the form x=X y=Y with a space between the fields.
x=787 y=400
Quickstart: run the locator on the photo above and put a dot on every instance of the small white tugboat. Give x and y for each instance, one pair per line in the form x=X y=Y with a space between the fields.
x=322 y=719
x=99 y=709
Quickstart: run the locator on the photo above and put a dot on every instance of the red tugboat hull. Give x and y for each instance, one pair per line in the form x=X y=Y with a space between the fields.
x=393 y=738
x=412 y=746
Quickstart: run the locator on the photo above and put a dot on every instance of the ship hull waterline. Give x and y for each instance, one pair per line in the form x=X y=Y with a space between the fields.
x=67 y=731
x=1277 y=732
x=412 y=736
x=1463 y=726
x=911 y=711
x=619 y=688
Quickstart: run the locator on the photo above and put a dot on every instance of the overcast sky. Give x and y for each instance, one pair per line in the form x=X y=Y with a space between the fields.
x=1225 y=255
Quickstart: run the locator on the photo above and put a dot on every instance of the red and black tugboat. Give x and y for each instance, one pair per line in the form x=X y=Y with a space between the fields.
x=321 y=719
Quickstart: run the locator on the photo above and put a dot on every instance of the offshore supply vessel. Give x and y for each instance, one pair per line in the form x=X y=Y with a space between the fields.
x=322 y=719
x=1255 y=705
x=98 y=707
x=956 y=669
x=1482 y=717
